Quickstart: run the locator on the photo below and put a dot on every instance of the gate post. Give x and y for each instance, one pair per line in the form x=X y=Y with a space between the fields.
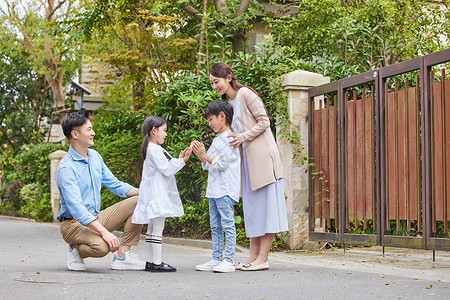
x=55 y=158
x=296 y=185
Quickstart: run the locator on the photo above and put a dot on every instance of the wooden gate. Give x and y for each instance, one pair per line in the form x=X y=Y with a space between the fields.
x=380 y=157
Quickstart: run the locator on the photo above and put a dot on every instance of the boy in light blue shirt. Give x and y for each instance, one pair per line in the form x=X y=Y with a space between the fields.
x=223 y=164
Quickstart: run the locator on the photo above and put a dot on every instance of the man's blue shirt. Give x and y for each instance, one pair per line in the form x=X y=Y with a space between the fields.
x=79 y=183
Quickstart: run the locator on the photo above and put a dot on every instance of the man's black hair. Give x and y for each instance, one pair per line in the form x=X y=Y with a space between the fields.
x=215 y=107
x=74 y=120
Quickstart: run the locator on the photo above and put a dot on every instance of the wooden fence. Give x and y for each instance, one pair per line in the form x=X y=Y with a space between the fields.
x=368 y=157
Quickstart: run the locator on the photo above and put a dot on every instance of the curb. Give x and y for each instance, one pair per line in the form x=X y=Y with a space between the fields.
x=196 y=243
x=17 y=218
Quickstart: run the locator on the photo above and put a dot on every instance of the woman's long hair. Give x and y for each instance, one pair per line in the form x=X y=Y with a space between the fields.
x=222 y=70
x=149 y=123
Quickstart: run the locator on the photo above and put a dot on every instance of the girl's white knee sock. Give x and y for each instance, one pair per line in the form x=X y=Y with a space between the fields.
x=153 y=240
x=154 y=247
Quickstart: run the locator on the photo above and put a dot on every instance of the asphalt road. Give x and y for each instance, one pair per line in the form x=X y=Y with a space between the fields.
x=33 y=266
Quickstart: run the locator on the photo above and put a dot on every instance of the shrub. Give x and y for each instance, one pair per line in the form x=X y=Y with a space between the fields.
x=36 y=203
x=10 y=204
x=27 y=176
x=118 y=140
x=31 y=165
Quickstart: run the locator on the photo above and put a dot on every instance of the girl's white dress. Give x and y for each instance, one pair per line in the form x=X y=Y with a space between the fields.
x=264 y=208
x=158 y=193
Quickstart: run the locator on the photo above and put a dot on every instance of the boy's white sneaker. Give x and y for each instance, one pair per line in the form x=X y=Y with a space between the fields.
x=224 y=267
x=209 y=266
x=129 y=262
x=74 y=261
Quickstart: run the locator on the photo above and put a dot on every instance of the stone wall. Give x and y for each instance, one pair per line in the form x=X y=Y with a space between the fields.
x=95 y=78
x=296 y=185
x=55 y=158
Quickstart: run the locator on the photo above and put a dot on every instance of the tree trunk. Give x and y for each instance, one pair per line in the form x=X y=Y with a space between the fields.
x=238 y=41
x=202 y=39
x=54 y=76
x=138 y=89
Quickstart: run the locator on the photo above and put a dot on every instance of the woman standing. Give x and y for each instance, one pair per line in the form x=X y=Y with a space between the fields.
x=262 y=183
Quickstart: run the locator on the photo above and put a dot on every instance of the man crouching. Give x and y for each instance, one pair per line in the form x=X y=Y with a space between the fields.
x=87 y=230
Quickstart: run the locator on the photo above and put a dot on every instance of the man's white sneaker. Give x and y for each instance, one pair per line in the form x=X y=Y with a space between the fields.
x=224 y=267
x=74 y=261
x=209 y=266
x=129 y=262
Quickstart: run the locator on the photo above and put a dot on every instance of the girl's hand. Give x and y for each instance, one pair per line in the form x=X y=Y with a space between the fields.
x=236 y=141
x=185 y=154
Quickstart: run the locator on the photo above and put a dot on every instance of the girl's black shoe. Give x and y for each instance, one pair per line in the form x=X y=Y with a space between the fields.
x=162 y=267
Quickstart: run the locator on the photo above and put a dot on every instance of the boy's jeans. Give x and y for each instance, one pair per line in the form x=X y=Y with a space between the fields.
x=221 y=218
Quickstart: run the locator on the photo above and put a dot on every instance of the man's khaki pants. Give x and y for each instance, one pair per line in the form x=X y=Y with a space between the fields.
x=89 y=243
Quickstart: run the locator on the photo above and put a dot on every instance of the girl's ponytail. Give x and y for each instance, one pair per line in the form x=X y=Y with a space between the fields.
x=144 y=147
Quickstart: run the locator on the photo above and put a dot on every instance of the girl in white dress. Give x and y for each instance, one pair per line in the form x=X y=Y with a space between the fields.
x=261 y=170
x=158 y=193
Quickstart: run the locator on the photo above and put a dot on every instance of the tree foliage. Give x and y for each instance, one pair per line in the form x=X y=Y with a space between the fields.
x=362 y=35
x=138 y=41
x=230 y=17
x=25 y=98
x=146 y=43
x=33 y=25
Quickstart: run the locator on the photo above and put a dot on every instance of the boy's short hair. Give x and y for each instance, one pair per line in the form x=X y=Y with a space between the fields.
x=73 y=120
x=214 y=108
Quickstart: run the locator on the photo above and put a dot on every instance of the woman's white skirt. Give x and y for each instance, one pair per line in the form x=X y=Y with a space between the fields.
x=264 y=208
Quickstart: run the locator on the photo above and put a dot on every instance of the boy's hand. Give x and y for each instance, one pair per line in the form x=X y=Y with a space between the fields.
x=198 y=148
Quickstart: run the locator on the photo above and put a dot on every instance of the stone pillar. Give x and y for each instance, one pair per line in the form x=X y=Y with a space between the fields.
x=55 y=158
x=296 y=185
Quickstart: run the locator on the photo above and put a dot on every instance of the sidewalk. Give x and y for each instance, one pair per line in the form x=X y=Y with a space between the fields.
x=32 y=265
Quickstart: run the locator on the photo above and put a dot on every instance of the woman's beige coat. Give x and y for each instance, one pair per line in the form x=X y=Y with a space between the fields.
x=263 y=157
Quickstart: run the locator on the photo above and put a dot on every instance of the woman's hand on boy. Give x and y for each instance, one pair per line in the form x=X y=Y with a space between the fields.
x=236 y=141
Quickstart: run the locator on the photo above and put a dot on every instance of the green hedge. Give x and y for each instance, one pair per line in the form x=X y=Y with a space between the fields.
x=27 y=182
